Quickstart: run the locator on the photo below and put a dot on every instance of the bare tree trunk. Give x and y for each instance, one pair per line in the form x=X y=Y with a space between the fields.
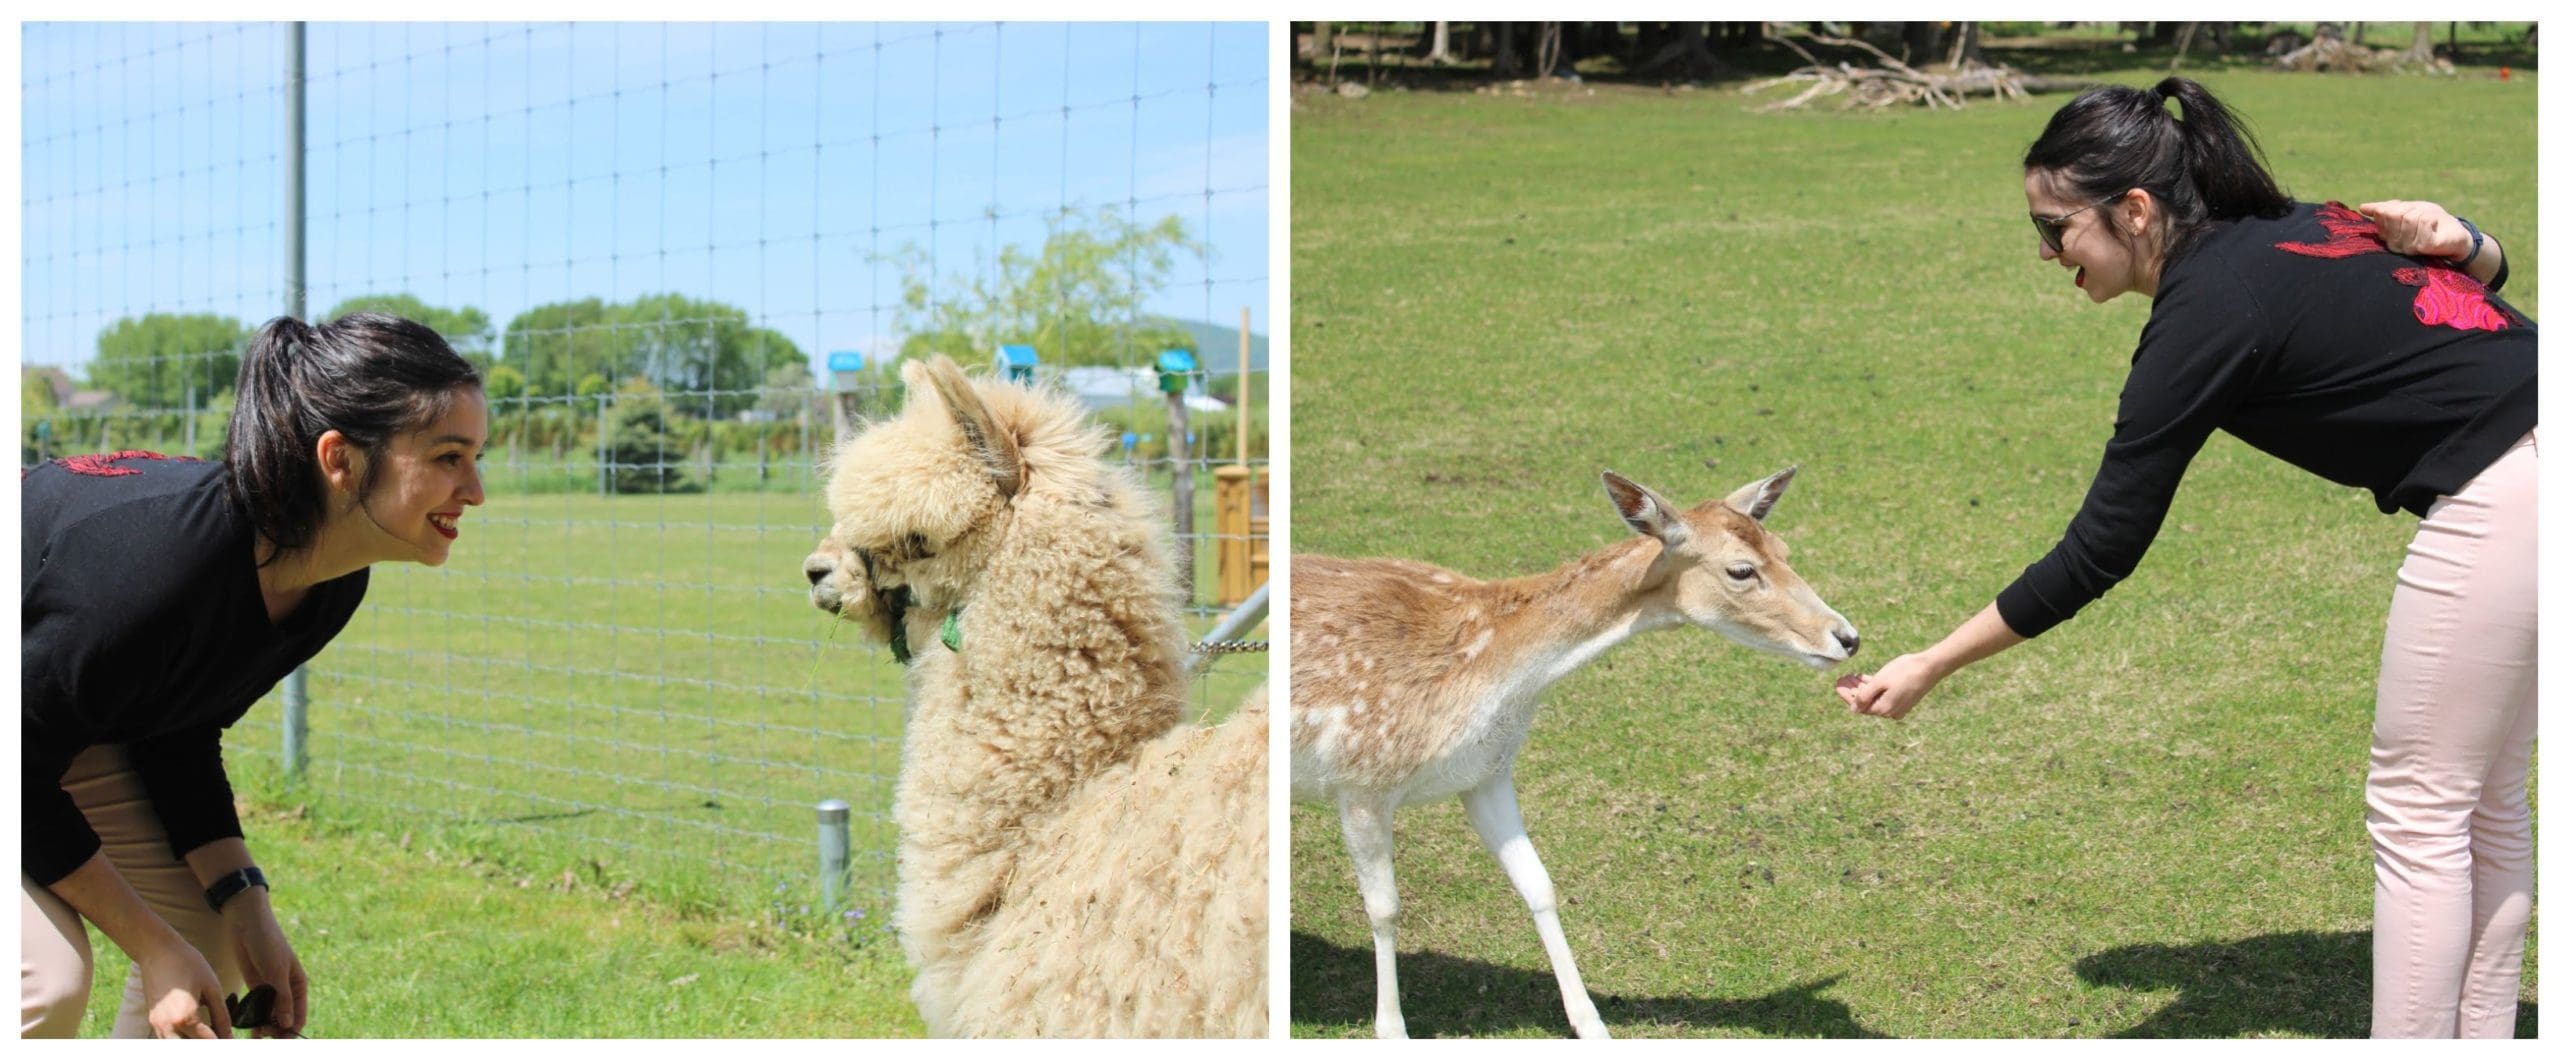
x=1550 y=47
x=2186 y=36
x=2358 y=39
x=1505 y=62
x=1968 y=46
x=2422 y=48
x=1439 y=44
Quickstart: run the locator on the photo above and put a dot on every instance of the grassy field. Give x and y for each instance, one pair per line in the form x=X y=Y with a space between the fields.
x=2149 y=823
x=617 y=714
x=406 y=937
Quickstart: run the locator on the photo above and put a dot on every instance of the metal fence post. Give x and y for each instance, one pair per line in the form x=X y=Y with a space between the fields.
x=835 y=852
x=297 y=722
x=297 y=690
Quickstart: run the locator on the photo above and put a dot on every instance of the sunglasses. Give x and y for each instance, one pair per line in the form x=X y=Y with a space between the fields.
x=2049 y=229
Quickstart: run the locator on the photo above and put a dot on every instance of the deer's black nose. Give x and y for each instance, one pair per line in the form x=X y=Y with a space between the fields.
x=1848 y=640
x=818 y=568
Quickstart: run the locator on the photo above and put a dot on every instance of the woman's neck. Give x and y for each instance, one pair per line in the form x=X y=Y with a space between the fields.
x=288 y=578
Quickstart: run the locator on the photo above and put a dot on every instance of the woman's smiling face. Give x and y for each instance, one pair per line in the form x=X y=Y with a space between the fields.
x=2103 y=262
x=426 y=479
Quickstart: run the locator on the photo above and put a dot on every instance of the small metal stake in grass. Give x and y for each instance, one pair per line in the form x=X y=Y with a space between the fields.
x=834 y=851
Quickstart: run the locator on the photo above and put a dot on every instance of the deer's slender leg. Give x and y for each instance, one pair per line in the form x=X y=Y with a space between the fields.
x=1495 y=810
x=1369 y=830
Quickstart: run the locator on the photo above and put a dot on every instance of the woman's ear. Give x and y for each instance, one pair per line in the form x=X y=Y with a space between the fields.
x=2141 y=213
x=341 y=463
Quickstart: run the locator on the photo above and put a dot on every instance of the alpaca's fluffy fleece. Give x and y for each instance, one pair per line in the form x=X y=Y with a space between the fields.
x=1073 y=860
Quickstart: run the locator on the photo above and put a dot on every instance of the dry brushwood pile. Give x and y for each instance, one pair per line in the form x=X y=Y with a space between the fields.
x=1893 y=82
x=2330 y=53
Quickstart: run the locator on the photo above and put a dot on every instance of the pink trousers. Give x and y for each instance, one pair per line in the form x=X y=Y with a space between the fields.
x=54 y=968
x=2453 y=734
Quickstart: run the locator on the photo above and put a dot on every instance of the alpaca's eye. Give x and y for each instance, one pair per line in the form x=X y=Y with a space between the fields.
x=918 y=548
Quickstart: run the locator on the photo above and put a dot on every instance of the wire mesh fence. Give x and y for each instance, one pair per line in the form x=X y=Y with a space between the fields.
x=686 y=257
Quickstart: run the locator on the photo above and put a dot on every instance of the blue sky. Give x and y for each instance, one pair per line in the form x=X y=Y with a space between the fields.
x=508 y=165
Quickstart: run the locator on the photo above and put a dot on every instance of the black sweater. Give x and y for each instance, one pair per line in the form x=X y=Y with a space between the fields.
x=141 y=624
x=2304 y=337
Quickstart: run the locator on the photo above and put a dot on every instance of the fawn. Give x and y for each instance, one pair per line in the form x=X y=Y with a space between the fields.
x=1411 y=683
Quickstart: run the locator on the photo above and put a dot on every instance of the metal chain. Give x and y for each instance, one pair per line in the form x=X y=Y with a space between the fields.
x=1225 y=648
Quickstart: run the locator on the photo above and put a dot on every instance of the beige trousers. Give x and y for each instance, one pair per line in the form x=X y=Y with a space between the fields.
x=2453 y=735
x=54 y=968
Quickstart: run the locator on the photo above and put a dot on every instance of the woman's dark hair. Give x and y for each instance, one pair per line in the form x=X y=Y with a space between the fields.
x=367 y=376
x=2201 y=167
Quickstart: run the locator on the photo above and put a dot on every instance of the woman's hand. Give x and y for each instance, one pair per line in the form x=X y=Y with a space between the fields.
x=182 y=992
x=1893 y=690
x=266 y=958
x=2418 y=229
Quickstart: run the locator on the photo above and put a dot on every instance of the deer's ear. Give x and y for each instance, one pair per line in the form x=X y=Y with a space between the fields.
x=994 y=445
x=1644 y=510
x=1758 y=498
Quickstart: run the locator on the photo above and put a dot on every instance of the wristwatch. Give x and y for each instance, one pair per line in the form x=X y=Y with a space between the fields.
x=232 y=884
x=2476 y=242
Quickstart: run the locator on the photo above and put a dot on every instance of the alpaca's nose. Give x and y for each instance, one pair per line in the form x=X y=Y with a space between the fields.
x=818 y=568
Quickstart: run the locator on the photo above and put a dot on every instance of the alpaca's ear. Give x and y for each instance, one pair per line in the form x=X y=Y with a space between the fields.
x=994 y=445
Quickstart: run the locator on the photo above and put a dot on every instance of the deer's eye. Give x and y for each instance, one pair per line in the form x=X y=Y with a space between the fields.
x=1741 y=572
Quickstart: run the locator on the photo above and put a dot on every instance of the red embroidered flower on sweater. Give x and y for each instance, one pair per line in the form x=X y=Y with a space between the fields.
x=104 y=464
x=2446 y=295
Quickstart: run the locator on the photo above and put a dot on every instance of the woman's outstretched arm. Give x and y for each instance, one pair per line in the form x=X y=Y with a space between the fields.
x=1898 y=686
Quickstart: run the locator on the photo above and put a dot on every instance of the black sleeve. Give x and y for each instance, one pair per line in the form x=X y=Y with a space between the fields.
x=96 y=614
x=62 y=658
x=2196 y=359
x=183 y=774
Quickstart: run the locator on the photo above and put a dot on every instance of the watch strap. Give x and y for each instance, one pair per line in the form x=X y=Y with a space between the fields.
x=231 y=884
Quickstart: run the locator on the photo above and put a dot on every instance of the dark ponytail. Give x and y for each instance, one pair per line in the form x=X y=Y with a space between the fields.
x=367 y=376
x=2201 y=167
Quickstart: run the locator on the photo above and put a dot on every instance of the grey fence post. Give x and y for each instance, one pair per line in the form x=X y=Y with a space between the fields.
x=297 y=721
x=835 y=852
x=297 y=694
x=604 y=446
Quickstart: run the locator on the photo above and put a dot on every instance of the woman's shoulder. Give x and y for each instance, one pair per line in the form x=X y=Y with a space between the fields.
x=146 y=514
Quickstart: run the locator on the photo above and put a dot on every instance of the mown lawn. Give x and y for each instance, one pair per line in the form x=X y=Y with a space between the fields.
x=2149 y=822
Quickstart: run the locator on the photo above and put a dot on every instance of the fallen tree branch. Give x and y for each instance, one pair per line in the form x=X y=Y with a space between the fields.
x=1896 y=83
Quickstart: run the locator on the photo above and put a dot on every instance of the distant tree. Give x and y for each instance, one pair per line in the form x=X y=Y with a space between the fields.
x=465 y=328
x=557 y=344
x=157 y=360
x=503 y=384
x=592 y=384
x=786 y=389
x=646 y=456
x=35 y=393
x=710 y=353
x=1078 y=301
x=701 y=350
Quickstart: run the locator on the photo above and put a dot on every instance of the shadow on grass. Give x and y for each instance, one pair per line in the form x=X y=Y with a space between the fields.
x=2303 y=983
x=1446 y=996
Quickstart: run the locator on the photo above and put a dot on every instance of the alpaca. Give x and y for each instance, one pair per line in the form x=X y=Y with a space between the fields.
x=1410 y=683
x=1073 y=859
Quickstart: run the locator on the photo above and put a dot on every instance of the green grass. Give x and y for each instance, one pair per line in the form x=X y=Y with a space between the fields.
x=2149 y=822
x=404 y=937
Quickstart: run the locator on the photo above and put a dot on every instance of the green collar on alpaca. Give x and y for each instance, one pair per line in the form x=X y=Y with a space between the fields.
x=898 y=601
